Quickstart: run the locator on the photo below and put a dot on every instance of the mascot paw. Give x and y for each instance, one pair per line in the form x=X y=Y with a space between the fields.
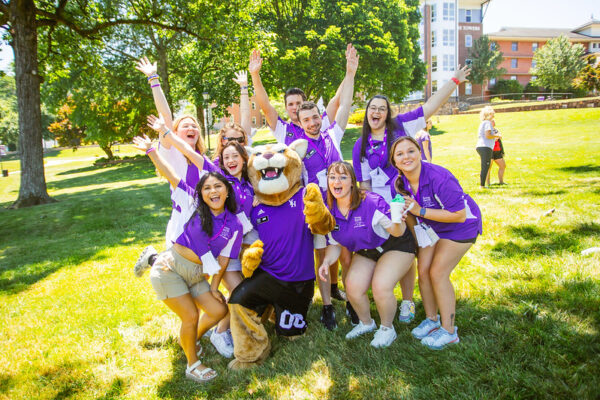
x=251 y=259
x=319 y=219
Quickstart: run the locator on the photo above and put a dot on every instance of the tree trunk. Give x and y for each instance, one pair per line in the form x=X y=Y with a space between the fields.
x=108 y=150
x=200 y=118
x=163 y=72
x=24 y=42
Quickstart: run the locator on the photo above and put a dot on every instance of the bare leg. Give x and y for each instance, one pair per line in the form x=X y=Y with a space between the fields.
x=333 y=272
x=186 y=310
x=390 y=268
x=447 y=255
x=214 y=311
x=230 y=280
x=358 y=281
x=424 y=258
x=407 y=282
x=324 y=287
x=501 y=168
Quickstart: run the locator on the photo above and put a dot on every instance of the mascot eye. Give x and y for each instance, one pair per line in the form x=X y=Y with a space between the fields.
x=258 y=154
x=281 y=151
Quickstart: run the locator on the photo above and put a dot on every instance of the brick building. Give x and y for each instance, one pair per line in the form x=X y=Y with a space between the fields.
x=518 y=45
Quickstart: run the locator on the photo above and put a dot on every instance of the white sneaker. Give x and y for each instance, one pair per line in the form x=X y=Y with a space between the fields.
x=361 y=329
x=220 y=341
x=426 y=327
x=384 y=337
x=441 y=338
x=142 y=264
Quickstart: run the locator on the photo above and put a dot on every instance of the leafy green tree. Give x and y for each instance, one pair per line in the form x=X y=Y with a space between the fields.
x=310 y=37
x=589 y=77
x=9 y=128
x=557 y=63
x=509 y=88
x=66 y=133
x=486 y=59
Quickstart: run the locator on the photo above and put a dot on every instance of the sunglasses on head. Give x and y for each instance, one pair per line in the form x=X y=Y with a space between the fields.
x=237 y=139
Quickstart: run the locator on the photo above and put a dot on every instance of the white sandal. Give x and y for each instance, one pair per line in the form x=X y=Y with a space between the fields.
x=203 y=376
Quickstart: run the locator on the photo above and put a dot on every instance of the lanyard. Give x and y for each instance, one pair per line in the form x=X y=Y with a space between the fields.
x=311 y=141
x=381 y=152
x=220 y=230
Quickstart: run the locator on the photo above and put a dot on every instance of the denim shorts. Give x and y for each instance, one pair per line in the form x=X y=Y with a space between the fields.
x=172 y=276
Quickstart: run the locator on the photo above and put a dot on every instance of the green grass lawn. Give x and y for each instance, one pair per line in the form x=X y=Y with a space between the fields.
x=76 y=324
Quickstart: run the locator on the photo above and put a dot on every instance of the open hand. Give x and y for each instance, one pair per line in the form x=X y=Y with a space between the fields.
x=351 y=59
x=146 y=67
x=241 y=78
x=142 y=143
x=462 y=73
x=324 y=272
x=219 y=296
x=157 y=124
x=415 y=208
x=255 y=62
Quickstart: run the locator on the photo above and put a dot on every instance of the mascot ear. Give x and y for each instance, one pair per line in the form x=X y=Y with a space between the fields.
x=299 y=146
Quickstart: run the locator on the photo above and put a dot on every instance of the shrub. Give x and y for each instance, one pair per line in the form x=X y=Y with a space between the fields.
x=357 y=117
x=505 y=86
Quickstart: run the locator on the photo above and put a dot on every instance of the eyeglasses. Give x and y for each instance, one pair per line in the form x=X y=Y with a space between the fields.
x=375 y=109
x=236 y=139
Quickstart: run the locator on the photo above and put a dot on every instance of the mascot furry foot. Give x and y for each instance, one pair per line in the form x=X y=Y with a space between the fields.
x=252 y=346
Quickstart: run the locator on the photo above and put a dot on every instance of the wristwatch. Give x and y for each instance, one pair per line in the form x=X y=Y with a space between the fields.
x=422 y=212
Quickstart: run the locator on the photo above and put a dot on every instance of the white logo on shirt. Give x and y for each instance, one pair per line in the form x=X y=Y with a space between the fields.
x=292 y=203
x=225 y=232
x=287 y=320
x=260 y=212
x=358 y=223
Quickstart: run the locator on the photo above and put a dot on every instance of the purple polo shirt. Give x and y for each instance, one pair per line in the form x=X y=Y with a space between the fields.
x=377 y=155
x=286 y=132
x=244 y=193
x=362 y=229
x=424 y=137
x=321 y=153
x=226 y=238
x=288 y=242
x=439 y=189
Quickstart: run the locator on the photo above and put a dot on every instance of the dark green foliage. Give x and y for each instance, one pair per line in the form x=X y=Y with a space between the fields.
x=505 y=86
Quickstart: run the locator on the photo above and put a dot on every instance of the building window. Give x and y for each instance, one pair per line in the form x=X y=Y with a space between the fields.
x=468 y=16
x=432 y=38
x=534 y=46
x=433 y=13
x=433 y=86
x=448 y=11
x=433 y=63
x=533 y=78
x=468 y=41
x=513 y=77
x=253 y=105
x=264 y=121
x=513 y=63
x=448 y=62
x=492 y=81
x=514 y=46
x=448 y=38
x=468 y=89
x=533 y=64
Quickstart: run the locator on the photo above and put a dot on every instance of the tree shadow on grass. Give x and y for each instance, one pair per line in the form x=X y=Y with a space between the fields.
x=541 y=193
x=436 y=131
x=105 y=174
x=581 y=169
x=38 y=241
x=542 y=242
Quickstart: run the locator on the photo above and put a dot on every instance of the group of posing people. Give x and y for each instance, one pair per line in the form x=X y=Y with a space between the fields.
x=390 y=204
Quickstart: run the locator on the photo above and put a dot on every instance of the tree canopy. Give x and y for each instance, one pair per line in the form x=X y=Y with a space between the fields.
x=557 y=63
x=486 y=59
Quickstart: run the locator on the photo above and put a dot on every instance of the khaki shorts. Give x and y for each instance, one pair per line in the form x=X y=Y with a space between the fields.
x=173 y=276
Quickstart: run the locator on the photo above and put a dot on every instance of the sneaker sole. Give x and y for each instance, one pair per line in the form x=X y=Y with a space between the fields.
x=424 y=336
x=432 y=347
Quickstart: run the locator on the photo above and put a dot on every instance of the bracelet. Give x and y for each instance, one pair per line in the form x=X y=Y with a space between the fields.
x=422 y=212
x=244 y=87
x=157 y=85
x=456 y=81
x=150 y=150
x=166 y=133
x=154 y=76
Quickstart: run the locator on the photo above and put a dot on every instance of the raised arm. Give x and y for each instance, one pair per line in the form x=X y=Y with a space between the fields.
x=347 y=91
x=441 y=96
x=167 y=136
x=165 y=169
x=160 y=101
x=259 y=90
x=241 y=78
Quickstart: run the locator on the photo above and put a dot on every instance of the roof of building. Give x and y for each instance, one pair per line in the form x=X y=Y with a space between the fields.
x=589 y=23
x=535 y=33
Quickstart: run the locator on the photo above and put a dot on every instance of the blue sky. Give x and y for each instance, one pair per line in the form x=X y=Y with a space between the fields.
x=510 y=13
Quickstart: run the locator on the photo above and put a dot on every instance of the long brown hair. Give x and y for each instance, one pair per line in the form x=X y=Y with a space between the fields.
x=356 y=195
x=240 y=149
x=227 y=127
x=399 y=183
x=199 y=143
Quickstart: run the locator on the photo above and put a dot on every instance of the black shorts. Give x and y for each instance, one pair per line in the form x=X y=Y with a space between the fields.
x=405 y=243
x=290 y=299
x=465 y=240
x=497 y=155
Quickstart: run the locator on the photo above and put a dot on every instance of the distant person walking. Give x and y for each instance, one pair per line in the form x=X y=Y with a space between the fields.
x=498 y=158
x=485 y=142
x=425 y=141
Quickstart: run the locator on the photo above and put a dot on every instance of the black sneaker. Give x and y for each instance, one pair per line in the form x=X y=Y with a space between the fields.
x=338 y=294
x=328 y=317
x=351 y=314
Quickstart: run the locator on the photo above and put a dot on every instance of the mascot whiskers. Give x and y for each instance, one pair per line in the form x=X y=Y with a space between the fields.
x=279 y=268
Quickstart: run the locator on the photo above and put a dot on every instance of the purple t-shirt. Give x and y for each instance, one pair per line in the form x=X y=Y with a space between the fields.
x=244 y=193
x=424 y=137
x=226 y=238
x=377 y=155
x=288 y=242
x=286 y=132
x=439 y=189
x=321 y=153
x=363 y=229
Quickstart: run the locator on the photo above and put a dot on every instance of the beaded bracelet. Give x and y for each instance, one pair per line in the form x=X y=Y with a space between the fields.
x=156 y=85
x=150 y=150
x=153 y=77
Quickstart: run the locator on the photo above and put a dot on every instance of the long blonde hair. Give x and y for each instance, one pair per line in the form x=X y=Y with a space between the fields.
x=199 y=143
x=229 y=126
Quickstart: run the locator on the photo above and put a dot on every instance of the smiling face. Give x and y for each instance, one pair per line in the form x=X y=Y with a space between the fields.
x=406 y=156
x=188 y=131
x=233 y=161
x=292 y=102
x=340 y=182
x=310 y=120
x=377 y=112
x=214 y=194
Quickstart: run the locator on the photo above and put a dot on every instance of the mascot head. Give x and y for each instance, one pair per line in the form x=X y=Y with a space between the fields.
x=275 y=170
